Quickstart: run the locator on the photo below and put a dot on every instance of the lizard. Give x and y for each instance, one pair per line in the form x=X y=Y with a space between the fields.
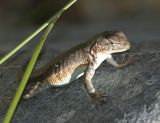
x=82 y=59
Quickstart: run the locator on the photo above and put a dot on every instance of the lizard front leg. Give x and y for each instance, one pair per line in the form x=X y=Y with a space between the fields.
x=114 y=63
x=97 y=97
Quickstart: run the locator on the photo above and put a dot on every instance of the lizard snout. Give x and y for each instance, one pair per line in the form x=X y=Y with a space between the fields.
x=128 y=45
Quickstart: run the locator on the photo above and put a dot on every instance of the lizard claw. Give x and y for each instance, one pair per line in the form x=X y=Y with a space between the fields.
x=98 y=98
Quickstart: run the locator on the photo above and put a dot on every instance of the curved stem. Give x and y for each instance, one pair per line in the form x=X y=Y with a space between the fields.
x=57 y=15
x=50 y=23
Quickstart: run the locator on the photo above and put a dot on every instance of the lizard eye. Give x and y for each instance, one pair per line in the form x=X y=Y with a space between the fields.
x=111 y=42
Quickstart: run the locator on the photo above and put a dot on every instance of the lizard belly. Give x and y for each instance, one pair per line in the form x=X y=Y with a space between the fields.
x=70 y=77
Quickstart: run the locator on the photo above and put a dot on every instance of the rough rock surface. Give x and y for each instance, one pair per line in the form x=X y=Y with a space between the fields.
x=133 y=91
x=133 y=94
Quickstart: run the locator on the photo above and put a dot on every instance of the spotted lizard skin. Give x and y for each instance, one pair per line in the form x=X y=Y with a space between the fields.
x=83 y=58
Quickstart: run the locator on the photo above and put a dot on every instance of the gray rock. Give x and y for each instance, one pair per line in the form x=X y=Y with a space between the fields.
x=133 y=95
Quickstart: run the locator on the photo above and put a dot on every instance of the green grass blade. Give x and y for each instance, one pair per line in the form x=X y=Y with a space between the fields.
x=12 y=52
x=32 y=62
x=26 y=75
x=23 y=43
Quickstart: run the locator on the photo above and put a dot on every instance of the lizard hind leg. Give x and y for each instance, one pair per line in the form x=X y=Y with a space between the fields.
x=35 y=89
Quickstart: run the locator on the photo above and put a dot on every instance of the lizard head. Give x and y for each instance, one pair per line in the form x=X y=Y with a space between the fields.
x=113 y=41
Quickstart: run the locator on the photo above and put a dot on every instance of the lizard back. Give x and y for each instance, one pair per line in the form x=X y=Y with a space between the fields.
x=65 y=67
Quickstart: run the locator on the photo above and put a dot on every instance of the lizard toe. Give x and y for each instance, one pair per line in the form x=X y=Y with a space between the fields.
x=99 y=98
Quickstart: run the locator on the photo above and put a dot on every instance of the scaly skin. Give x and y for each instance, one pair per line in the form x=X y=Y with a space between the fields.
x=83 y=58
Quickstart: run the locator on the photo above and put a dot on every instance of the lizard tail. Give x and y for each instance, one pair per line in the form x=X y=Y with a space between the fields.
x=35 y=89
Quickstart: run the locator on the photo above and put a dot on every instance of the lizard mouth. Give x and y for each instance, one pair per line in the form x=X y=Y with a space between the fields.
x=122 y=49
x=126 y=47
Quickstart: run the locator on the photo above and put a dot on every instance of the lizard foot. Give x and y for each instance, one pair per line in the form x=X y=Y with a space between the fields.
x=98 y=98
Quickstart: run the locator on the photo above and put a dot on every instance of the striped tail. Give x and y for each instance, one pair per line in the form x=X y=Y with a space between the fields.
x=35 y=89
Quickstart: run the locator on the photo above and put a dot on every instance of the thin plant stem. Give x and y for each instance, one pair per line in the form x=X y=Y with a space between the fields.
x=12 y=52
x=9 y=67
x=26 y=75
x=50 y=23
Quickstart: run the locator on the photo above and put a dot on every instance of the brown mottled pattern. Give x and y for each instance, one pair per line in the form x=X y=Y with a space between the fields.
x=92 y=53
x=57 y=78
x=65 y=63
x=62 y=65
x=98 y=48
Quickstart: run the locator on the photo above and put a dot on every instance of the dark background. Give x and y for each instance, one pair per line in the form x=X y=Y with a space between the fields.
x=37 y=11
x=139 y=19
